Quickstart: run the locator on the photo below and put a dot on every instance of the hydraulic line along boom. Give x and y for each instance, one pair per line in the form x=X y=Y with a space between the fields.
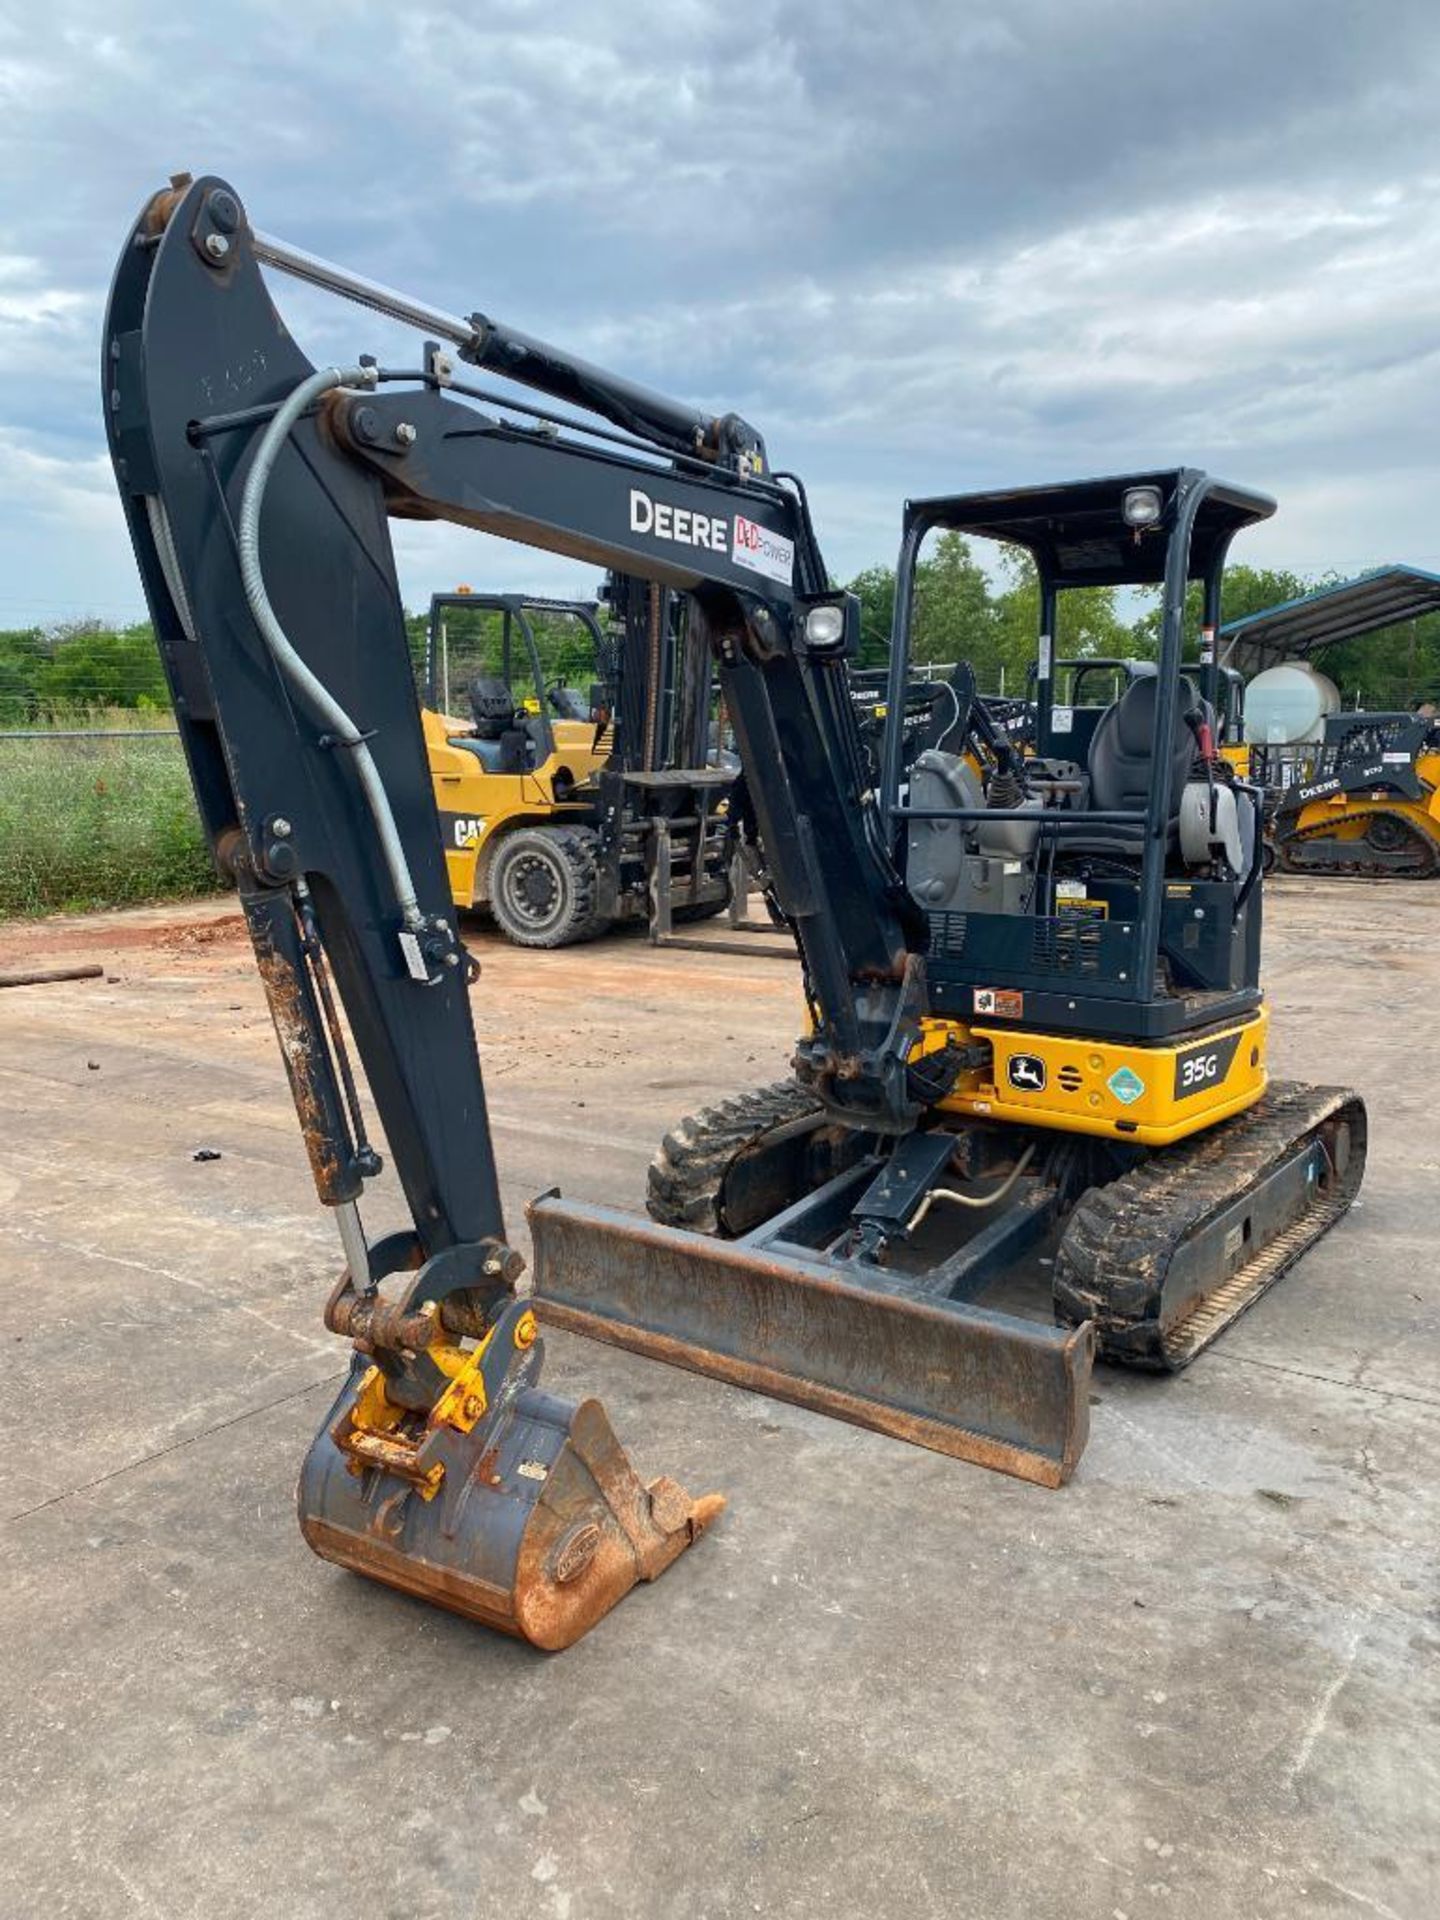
x=443 y=1467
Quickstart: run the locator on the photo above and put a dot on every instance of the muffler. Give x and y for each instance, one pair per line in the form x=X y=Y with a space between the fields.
x=1006 y=1393
x=511 y=1507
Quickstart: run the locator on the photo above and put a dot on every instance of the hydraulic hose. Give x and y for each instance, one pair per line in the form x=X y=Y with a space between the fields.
x=313 y=694
x=976 y=1200
x=169 y=565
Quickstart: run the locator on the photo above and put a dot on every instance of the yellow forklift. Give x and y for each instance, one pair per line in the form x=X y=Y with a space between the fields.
x=556 y=815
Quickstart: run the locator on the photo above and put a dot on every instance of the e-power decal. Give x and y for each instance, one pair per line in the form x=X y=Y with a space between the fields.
x=762 y=551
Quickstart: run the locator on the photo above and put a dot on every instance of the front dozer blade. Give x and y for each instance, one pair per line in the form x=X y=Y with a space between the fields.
x=1006 y=1393
x=537 y=1527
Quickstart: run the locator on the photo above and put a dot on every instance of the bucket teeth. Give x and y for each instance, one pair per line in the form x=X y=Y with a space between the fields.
x=536 y=1527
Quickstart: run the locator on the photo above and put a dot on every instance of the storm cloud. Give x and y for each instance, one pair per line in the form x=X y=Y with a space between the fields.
x=922 y=246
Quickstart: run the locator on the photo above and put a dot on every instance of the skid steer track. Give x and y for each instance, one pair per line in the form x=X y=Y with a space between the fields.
x=1393 y=848
x=1164 y=1258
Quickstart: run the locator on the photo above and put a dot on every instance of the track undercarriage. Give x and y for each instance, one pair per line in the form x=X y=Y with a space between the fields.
x=753 y=1268
x=1383 y=843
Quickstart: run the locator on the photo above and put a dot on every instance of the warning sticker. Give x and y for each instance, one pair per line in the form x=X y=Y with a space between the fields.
x=762 y=551
x=1073 y=909
x=1062 y=719
x=1126 y=1086
x=1003 y=1003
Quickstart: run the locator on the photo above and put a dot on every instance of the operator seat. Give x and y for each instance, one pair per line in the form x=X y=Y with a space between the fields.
x=1119 y=763
x=1123 y=747
x=497 y=742
x=1207 y=820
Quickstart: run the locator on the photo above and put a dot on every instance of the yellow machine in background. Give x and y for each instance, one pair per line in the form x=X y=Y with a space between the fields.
x=508 y=748
x=1368 y=802
x=539 y=824
x=1354 y=792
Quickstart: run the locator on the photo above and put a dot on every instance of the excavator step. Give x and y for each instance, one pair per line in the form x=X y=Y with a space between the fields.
x=1004 y=1392
x=1166 y=1257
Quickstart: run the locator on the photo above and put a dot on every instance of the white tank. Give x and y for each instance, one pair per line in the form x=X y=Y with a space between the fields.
x=1286 y=706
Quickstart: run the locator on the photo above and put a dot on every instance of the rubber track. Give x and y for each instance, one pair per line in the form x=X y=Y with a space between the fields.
x=689 y=1170
x=1290 y=850
x=1111 y=1264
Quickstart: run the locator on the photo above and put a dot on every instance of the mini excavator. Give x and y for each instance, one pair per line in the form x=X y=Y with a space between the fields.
x=1036 y=1045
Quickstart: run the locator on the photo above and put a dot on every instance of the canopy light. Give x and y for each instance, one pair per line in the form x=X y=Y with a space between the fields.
x=1142 y=506
x=825 y=627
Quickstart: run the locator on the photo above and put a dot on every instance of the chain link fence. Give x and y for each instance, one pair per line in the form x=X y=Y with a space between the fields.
x=97 y=816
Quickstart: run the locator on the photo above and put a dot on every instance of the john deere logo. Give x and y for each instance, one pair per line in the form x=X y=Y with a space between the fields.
x=1126 y=1086
x=1026 y=1072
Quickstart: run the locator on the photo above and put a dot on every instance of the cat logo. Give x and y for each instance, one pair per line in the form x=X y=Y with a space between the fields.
x=1026 y=1072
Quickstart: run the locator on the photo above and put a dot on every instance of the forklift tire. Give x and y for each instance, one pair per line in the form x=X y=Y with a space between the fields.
x=543 y=886
x=687 y=916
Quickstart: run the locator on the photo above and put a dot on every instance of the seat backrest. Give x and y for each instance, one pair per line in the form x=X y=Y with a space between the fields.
x=1123 y=746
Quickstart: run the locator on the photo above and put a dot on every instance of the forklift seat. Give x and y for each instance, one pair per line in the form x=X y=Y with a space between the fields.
x=490 y=753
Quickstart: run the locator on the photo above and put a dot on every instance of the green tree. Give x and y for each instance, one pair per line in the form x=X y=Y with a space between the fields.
x=954 y=612
x=1390 y=669
x=93 y=666
x=1088 y=620
x=875 y=590
x=1246 y=590
x=24 y=663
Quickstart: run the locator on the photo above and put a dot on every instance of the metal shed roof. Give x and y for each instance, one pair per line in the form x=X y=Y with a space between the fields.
x=1295 y=629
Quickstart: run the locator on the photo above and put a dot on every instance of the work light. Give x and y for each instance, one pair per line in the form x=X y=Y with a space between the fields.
x=825 y=627
x=1141 y=506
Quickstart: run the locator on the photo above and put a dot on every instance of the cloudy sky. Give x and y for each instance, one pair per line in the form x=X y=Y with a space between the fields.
x=923 y=245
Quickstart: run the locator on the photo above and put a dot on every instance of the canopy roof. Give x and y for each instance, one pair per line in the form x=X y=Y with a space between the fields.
x=1295 y=629
x=1077 y=532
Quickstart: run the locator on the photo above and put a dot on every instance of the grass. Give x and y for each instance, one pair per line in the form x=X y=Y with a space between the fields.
x=98 y=823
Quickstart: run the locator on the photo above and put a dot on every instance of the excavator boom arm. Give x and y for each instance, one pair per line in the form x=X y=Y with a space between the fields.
x=264 y=547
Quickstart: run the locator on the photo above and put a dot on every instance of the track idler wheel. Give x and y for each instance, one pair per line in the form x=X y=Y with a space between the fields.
x=533 y=1522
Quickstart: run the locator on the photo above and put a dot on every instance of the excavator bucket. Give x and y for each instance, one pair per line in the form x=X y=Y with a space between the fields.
x=1003 y=1392
x=533 y=1523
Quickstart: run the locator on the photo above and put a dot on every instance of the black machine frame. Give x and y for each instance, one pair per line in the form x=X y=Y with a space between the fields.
x=1076 y=536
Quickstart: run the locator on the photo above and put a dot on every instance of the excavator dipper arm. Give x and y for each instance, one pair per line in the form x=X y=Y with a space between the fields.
x=264 y=548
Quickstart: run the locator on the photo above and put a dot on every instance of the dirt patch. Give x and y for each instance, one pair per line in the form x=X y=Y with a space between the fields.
x=60 y=939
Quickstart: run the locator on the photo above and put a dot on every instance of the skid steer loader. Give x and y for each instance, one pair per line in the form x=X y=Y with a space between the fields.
x=984 y=1075
x=1368 y=805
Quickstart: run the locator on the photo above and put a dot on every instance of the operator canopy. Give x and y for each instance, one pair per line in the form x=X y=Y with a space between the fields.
x=1106 y=532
